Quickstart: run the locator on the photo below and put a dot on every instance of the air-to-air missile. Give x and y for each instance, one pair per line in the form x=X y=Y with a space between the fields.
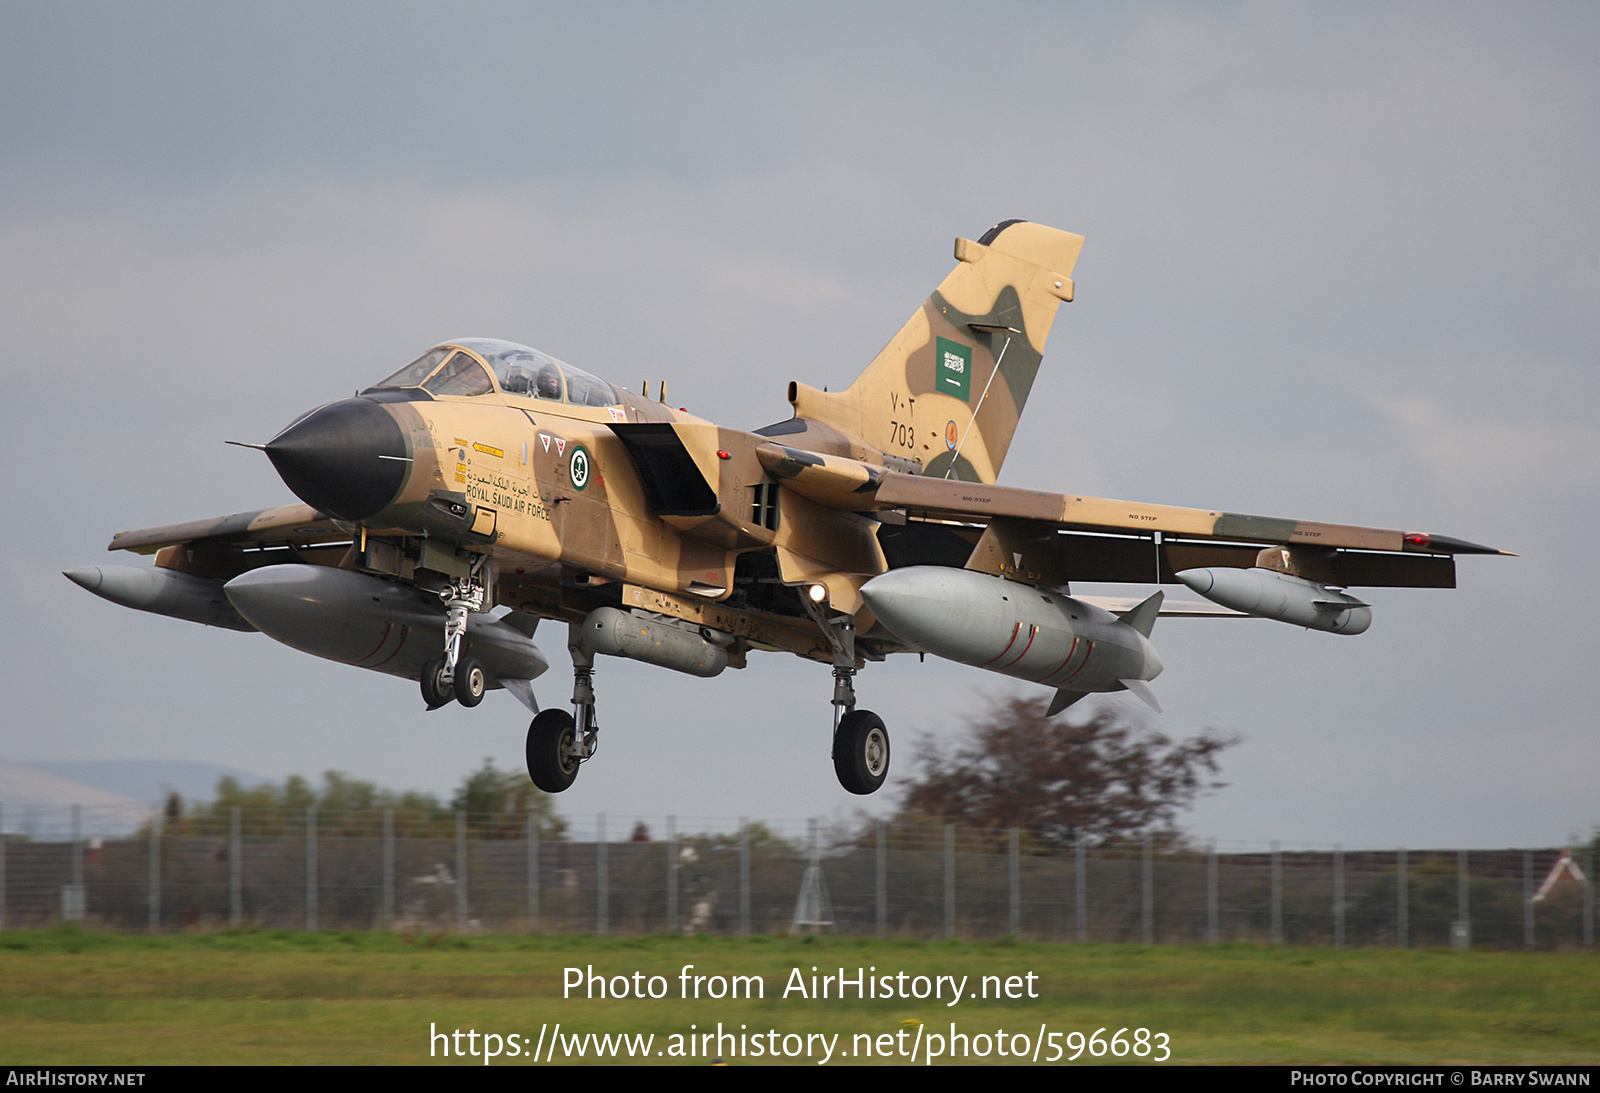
x=1281 y=596
x=1019 y=630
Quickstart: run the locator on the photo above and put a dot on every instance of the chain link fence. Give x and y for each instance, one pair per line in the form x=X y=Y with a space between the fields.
x=304 y=869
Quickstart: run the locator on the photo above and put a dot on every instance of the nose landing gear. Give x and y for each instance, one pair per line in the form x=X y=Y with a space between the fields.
x=452 y=676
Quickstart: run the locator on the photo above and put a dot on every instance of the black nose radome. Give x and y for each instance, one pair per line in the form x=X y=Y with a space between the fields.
x=347 y=458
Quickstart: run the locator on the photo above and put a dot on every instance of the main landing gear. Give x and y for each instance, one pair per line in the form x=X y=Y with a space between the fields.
x=860 y=741
x=451 y=675
x=559 y=742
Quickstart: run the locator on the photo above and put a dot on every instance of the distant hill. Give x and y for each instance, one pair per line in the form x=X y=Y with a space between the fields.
x=38 y=804
x=26 y=787
x=146 y=781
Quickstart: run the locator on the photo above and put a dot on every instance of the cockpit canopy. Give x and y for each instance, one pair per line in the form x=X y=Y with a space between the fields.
x=459 y=368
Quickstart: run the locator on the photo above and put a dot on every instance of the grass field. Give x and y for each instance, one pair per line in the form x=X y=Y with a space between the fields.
x=75 y=997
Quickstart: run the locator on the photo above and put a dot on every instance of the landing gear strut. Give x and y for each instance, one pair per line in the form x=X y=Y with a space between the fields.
x=559 y=742
x=860 y=741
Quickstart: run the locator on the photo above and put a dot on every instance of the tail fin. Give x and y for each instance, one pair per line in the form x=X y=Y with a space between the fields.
x=1144 y=614
x=946 y=392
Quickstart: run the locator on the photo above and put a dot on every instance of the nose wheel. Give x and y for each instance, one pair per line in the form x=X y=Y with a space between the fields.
x=455 y=674
x=436 y=689
x=470 y=682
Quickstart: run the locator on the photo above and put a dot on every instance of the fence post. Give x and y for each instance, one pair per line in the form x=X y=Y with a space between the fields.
x=1015 y=922
x=1338 y=896
x=1461 y=930
x=949 y=880
x=602 y=909
x=461 y=869
x=1589 y=895
x=74 y=904
x=532 y=839
x=1403 y=909
x=744 y=876
x=1213 y=926
x=311 y=867
x=1527 y=899
x=388 y=869
x=1277 y=895
x=235 y=869
x=883 y=880
x=672 y=874
x=1080 y=882
x=1147 y=877
x=155 y=871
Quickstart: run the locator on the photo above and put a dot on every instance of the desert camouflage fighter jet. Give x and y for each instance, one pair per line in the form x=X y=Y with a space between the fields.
x=486 y=486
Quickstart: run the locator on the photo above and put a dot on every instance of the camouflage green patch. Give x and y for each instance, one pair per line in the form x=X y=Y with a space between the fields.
x=1270 y=529
x=954 y=369
x=940 y=466
x=1022 y=360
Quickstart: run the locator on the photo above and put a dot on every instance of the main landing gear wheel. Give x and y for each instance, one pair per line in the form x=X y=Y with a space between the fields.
x=551 y=764
x=435 y=691
x=470 y=682
x=861 y=752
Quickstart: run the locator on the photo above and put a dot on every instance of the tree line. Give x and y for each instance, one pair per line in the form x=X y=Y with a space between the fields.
x=1102 y=775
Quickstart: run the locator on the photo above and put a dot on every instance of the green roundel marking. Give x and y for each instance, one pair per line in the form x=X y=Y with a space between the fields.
x=578 y=467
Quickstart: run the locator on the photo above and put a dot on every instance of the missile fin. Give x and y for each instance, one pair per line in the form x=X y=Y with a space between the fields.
x=1142 y=691
x=523 y=624
x=522 y=691
x=1063 y=699
x=1143 y=616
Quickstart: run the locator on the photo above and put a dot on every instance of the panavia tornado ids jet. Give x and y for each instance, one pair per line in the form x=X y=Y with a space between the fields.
x=487 y=486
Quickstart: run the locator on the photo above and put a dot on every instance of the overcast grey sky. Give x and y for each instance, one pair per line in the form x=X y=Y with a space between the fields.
x=1343 y=263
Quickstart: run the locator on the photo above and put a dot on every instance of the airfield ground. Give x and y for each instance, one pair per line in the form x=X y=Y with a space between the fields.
x=80 y=997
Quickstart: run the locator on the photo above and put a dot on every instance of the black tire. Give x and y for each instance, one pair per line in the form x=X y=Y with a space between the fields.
x=470 y=682
x=549 y=737
x=861 y=752
x=434 y=691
